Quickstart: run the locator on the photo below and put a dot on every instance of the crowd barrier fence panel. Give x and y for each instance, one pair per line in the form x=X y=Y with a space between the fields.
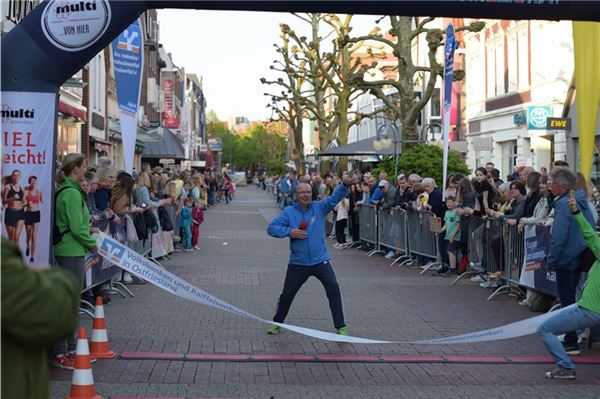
x=392 y=232
x=512 y=262
x=421 y=240
x=368 y=224
x=476 y=236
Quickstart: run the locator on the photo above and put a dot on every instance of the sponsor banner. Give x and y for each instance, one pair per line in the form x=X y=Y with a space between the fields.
x=162 y=243
x=535 y=273
x=128 y=58
x=167 y=85
x=98 y=269
x=28 y=125
x=448 y=73
x=145 y=269
x=73 y=25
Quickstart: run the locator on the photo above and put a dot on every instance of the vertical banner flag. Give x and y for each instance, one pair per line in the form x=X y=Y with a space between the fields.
x=28 y=124
x=128 y=58
x=586 y=43
x=448 y=71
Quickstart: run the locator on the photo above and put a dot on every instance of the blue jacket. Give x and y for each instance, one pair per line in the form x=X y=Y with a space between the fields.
x=567 y=241
x=284 y=186
x=312 y=250
x=376 y=196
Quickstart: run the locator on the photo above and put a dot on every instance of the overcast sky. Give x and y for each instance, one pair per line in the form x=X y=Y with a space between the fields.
x=231 y=51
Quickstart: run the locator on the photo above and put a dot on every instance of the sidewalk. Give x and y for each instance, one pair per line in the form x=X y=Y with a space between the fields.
x=240 y=264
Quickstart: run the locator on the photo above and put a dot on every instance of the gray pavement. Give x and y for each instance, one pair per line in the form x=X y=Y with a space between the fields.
x=240 y=264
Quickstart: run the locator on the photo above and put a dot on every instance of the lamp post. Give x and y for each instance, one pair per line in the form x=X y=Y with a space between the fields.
x=432 y=128
x=384 y=140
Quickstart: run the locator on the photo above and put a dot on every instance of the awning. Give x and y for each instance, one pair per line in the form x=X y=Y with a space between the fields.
x=167 y=147
x=78 y=111
x=362 y=147
x=99 y=144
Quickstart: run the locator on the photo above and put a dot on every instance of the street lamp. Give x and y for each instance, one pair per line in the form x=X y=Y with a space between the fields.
x=385 y=140
x=433 y=128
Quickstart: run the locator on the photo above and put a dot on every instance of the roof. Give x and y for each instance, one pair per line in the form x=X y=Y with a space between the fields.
x=167 y=147
x=362 y=147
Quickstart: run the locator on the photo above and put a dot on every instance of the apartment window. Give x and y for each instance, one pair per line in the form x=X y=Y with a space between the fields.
x=513 y=64
x=500 y=89
x=495 y=68
x=491 y=71
x=523 y=59
x=436 y=104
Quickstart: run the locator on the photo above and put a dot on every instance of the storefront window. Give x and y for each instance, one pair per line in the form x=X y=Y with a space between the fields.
x=67 y=140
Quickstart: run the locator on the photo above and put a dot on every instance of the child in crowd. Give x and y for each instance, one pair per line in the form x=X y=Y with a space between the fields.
x=185 y=225
x=452 y=234
x=197 y=219
x=341 y=220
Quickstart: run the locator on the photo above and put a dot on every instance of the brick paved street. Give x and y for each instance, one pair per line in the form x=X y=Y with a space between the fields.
x=240 y=264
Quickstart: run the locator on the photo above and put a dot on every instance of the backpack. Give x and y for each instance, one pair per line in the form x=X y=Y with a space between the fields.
x=164 y=219
x=57 y=235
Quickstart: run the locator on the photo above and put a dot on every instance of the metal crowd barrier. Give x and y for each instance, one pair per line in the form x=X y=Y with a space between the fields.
x=393 y=233
x=492 y=246
x=421 y=240
x=369 y=227
x=513 y=253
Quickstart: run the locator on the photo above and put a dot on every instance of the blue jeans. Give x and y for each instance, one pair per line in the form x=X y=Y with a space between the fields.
x=566 y=284
x=571 y=318
x=296 y=276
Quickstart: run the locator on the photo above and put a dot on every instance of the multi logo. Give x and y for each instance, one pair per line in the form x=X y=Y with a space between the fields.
x=75 y=25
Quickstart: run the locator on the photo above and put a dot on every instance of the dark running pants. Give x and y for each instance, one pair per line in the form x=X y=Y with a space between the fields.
x=296 y=276
x=566 y=284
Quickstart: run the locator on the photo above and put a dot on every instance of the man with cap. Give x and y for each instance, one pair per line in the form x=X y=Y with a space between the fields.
x=377 y=196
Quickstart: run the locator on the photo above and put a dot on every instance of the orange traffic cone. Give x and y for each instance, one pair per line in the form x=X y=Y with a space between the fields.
x=99 y=343
x=82 y=385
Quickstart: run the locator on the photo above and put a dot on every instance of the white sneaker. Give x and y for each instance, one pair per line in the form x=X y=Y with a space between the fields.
x=478 y=279
x=197 y=248
x=524 y=302
x=489 y=284
x=391 y=255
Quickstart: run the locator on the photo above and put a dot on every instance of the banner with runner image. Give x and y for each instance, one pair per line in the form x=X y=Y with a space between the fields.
x=28 y=125
x=535 y=273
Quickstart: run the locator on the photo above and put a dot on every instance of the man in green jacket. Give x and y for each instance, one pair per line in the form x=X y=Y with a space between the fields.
x=39 y=308
x=585 y=313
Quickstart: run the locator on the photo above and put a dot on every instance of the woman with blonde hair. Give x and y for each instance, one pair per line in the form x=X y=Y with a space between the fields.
x=73 y=238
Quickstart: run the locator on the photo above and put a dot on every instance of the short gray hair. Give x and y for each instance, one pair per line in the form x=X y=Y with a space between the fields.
x=429 y=180
x=563 y=176
x=504 y=187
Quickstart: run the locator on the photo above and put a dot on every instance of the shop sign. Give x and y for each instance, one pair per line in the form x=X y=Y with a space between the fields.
x=537 y=117
x=559 y=124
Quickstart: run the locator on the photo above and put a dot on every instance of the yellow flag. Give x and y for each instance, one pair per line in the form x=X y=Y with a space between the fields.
x=586 y=43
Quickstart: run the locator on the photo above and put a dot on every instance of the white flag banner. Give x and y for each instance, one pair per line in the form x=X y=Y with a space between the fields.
x=145 y=269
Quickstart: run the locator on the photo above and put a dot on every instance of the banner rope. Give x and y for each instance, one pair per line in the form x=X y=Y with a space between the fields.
x=145 y=269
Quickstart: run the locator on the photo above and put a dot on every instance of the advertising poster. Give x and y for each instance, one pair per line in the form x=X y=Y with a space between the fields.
x=128 y=58
x=28 y=124
x=535 y=273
